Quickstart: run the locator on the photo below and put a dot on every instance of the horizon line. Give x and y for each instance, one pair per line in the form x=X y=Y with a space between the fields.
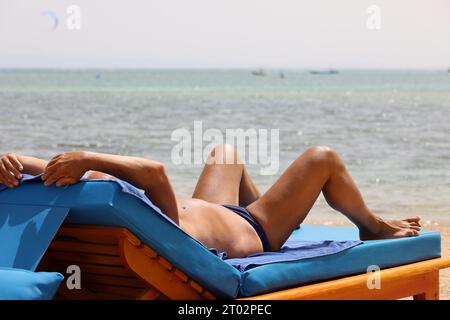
x=225 y=68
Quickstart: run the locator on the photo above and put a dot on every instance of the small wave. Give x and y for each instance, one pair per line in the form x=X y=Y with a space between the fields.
x=79 y=145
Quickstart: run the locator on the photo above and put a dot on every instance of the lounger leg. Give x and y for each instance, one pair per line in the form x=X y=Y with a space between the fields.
x=431 y=286
x=150 y=294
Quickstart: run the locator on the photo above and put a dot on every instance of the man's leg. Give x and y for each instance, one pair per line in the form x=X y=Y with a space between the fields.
x=286 y=204
x=225 y=180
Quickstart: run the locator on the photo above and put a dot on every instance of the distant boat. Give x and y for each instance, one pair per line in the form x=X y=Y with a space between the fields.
x=258 y=72
x=330 y=71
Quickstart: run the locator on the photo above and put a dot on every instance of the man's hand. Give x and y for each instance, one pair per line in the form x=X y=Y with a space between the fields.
x=66 y=168
x=10 y=170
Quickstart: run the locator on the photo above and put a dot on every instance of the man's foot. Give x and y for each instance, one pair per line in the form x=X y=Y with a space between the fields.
x=389 y=229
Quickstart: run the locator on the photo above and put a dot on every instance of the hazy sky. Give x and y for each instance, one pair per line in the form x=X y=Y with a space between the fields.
x=225 y=34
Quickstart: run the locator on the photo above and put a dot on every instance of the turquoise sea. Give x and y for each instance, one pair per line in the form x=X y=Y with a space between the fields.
x=391 y=127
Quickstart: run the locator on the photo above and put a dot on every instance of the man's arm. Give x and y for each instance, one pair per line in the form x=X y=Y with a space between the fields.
x=32 y=165
x=148 y=175
x=144 y=174
x=12 y=166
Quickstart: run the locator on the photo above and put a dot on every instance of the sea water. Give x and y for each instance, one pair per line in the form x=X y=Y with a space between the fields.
x=392 y=128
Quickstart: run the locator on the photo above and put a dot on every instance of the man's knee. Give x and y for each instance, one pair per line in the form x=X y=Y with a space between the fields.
x=324 y=155
x=224 y=154
x=223 y=148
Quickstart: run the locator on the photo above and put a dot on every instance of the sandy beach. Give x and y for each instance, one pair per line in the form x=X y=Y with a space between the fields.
x=445 y=275
x=443 y=228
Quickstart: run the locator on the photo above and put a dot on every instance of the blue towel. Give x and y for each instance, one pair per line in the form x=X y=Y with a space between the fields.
x=292 y=250
x=25 y=177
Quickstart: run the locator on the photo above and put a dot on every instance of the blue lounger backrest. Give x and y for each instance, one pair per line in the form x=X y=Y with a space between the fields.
x=103 y=203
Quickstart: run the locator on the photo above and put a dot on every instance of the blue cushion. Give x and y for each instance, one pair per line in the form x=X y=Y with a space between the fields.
x=356 y=260
x=18 y=284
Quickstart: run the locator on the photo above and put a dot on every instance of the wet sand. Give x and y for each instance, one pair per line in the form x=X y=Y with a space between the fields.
x=444 y=229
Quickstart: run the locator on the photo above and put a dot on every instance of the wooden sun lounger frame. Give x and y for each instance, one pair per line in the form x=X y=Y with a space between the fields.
x=115 y=264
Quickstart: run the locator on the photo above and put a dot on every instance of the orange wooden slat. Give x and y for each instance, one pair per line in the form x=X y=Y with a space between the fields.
x=165 y=263
x=149 y=252
x=95 y=234
x=75 y=294
x=106 y=270
x=150 y=294
x=196 y=286
x=61 y=266
x=77 y=246
x=75 y=258
x=181 y=275
x=430 y=287
x=157 y=275
x=122 y=292
x=208 y=295
x=112 y=280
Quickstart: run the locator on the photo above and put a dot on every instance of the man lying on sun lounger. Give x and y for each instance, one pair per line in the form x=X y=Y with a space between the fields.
x=260 y=223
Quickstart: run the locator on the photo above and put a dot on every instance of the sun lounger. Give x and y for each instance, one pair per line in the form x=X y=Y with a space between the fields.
x=127 y=250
